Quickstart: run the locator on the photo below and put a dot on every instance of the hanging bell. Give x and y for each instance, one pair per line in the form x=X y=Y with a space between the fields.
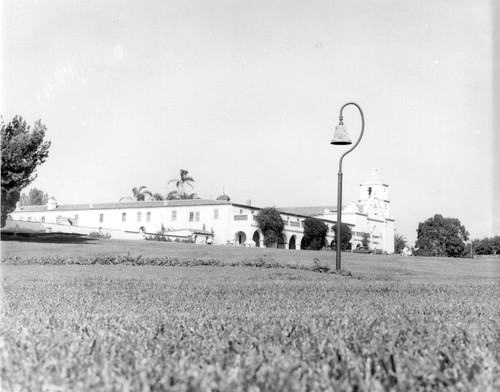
x=341 y=137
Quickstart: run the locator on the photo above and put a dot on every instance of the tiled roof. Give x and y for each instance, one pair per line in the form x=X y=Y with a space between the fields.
x=123 y=205
x=298 y=211
x=308 y=211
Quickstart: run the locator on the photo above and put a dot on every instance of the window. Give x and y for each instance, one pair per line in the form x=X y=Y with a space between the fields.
x=139 y=216
x=101 y=218
x=216 y=213
x=124 y=216
x=148 y=216
x=76 y=217
x=191 y=216
x=174 y=215
x=197 y=216
x=43 y=219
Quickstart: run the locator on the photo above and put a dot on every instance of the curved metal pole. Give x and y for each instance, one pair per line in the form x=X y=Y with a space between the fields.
x=339 y=189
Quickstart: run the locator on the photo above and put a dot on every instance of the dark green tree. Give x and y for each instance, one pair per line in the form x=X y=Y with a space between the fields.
x=271 y=224
x=399 y=243
x=315 y=232
x=35 y=197
x=23 y=150
x=345 y=236
x=486 y=246
x=365 y=240
x=439 y=236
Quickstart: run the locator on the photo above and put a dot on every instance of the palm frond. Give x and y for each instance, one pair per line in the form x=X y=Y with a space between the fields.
x=173 y=195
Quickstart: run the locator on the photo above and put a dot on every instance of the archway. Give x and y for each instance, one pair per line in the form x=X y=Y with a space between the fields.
x=240 y=237
x=256 y=238
x=292 y=242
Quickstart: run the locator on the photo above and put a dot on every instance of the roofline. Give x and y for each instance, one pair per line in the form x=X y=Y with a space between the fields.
x=159 y=204
x=125 y=205
x=373 y=183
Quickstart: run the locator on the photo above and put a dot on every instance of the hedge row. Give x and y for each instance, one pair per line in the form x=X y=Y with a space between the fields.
x=165 y=261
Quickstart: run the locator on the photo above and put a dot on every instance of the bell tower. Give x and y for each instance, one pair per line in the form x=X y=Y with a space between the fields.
x=373 y=193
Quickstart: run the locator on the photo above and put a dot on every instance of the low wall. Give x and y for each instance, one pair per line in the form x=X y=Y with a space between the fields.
x=13 y=226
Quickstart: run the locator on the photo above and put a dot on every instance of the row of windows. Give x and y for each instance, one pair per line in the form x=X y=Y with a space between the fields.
x=194 y=216
x=29 y=219
x=124 y=217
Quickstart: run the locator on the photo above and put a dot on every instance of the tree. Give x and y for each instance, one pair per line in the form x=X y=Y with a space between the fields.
x=399 y=243
x=486 y=246
x=139 y=194
x=314 y=234
x=365 y=240
x=180 y=183
x=345 y=236
x=176 y=195
x=158 y=196
x=439 y=236
x=271 y=225
x=35 y=197
x=23 y=150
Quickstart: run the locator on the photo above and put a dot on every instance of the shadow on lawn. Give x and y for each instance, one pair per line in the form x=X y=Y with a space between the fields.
x=53 y=238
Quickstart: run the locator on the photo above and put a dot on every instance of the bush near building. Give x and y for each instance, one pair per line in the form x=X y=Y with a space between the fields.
x=345 y=237
x=314 y=234
x=271 y=224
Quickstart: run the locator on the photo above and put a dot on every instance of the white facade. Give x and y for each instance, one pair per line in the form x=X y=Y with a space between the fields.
x=217 y=221
x=370 y=215
x=221 y=222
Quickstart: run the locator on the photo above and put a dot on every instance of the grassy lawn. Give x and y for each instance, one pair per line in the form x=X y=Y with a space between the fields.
x=403 y=324
x=47 y=245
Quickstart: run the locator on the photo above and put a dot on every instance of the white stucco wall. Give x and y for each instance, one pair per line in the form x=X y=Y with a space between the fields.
x=226 y=223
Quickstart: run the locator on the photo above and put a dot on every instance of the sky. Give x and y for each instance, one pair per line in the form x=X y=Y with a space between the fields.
x=245 y=95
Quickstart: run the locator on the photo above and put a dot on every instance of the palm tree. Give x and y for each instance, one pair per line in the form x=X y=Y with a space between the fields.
x=139 y=194
x=180 y=183
x=176 y=195
x=158 y=197
x=399 y=243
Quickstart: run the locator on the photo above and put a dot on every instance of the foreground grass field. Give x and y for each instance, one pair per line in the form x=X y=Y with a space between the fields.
x=396 y=324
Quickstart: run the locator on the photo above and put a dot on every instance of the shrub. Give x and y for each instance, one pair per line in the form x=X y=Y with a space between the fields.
x=100 y=234
x=422 y=252
x=345 y=237
x=319 y=267
x=159 y=236
x=314 y=234
x=271 y=225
